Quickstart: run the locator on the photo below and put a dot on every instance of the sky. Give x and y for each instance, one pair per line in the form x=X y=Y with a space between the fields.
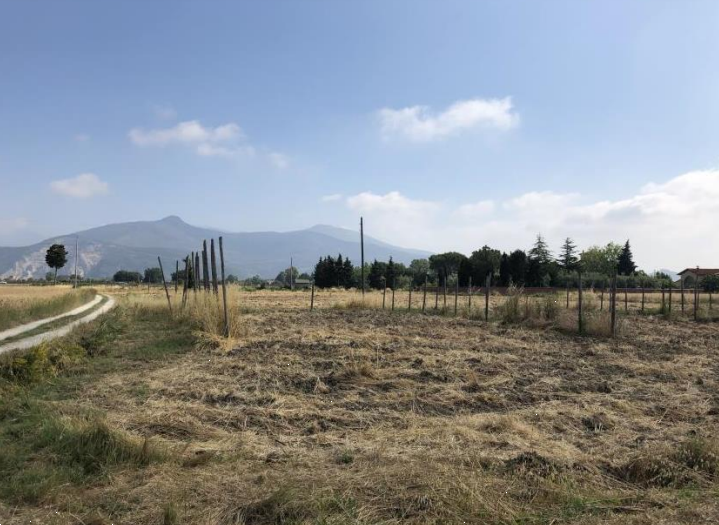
x=446 y=125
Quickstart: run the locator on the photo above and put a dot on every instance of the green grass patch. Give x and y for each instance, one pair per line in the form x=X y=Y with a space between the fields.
x=16 y=313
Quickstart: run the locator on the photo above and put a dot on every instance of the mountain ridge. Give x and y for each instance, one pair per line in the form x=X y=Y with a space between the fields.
x=135 y=245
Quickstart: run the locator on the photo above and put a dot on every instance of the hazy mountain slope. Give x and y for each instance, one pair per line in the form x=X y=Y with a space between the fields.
x=136 y=245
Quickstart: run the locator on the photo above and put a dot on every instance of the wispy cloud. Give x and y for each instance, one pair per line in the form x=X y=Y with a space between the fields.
x=279 y=160
x=419 y=124
x=227 y=140
x=164 y=112
x=334 y=197
x=83 y=186
x=81 y=137
x=13 y=224
x=670 y=224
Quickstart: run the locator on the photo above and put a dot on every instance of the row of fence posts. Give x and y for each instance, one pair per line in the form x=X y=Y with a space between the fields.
x=580 y=289
x=204 y=263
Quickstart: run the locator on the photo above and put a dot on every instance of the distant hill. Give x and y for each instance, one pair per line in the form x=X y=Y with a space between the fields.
x=136 y=245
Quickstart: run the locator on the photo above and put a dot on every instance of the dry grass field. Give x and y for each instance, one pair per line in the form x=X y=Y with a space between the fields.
x=21 y=304
x=356 y=415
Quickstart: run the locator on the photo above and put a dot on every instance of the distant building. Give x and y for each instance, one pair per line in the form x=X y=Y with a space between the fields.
x=696 y=275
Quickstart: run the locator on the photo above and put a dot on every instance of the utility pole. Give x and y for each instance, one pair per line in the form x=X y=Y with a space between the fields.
x=362 y=250
x=76 y=252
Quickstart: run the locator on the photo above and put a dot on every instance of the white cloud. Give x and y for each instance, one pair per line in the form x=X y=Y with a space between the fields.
x=418 y=124
x=671 y=224
x=476 y=210
x=83 y=186
x=189 y=132
x=331 y=198
x=279 y=160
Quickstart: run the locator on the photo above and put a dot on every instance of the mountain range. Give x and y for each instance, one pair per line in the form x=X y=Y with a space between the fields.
x=136 y=245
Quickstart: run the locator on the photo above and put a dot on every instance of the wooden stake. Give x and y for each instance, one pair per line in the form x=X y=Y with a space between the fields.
x=444 y=292
x=213 y=262
x=601 y=301
x=436 y=294
x=626 y=303
x=394 y=285
x=670 y=297
x=696 y=301
x=312 y=298
x=198 y=276
x=682 y=292
x=384 y=291
x=224 y=289
x=456 y=295
x=409 y=302
x=185 y=282
x=567 y=294
x=177 y=274
x=579 y=302
x=167 y=293
x=487 y=284
x=205 y=266
x=613 y=305
x=424 y=294
x=469 y=297
x=76 y=254
x=642 y=299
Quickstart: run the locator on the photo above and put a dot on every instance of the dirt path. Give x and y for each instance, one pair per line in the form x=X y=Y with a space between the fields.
x=35 y=340
x=12 y=332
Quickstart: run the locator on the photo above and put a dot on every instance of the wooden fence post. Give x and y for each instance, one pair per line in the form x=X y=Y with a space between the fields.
x=384 y=291
x=696 y=301
x=670 y=297
x=601 y=300
x=312 y=299
x=177 y=274
x=567 y=294
x=444 y=294
x=626 y=302
x=642 y=299
x=198 y=276
x=394 y=285
x=469 y=297
x=436 y=294
x=456 y=295
x=579 y=302
x=186 y=283
x=167 y=293
x=205 y=266
x=613 y=305
x=682 y=292
x=224 y=288
x=664 y=306
x=409 y=302
x=213 y=262
x=424 y=294
x=487 y=284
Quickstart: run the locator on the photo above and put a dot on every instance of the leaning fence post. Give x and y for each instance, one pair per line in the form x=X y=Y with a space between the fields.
x=224 y=288
x=312 y=297
x=167 y=293
x=486 y=296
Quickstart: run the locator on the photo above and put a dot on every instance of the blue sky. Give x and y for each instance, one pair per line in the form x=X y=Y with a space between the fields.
x=448 y=125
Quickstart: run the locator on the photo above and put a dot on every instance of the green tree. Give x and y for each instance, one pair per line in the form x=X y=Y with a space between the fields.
x=710 y=283
x=505 y=274
x=484 y=261
x=419 y=269
x=377 y=273
x=56 y=257
x=234 y=279
x=602 y=260
x=445 y=264
x=568 y=259
x=390 y=273
x=625 y=262
x=517 y=266
x=125 y=276
x=540 y=251
x=152 y=275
